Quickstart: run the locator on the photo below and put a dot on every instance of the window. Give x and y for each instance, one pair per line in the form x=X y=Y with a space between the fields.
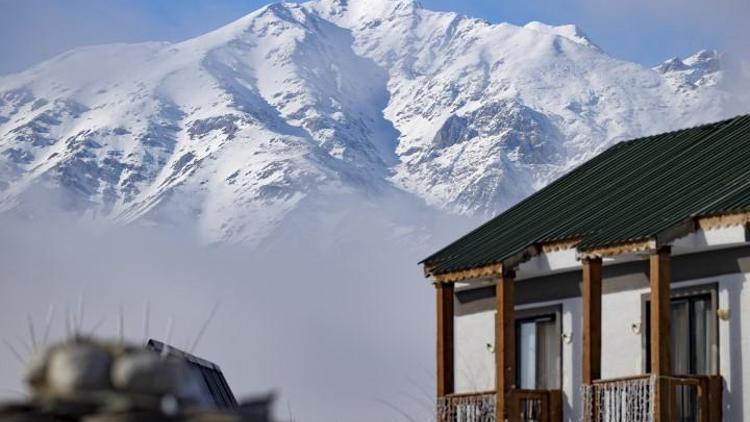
x=538 y=349
x=694 y=339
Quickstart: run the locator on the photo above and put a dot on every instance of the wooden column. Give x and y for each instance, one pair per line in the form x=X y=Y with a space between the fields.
x=592 y=319
x=660 y=329
x=445 y=367
x=505 y=346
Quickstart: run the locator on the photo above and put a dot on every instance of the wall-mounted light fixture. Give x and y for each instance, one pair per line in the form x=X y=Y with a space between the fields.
x=724 y=314
x=635 y=328
x=567 y=338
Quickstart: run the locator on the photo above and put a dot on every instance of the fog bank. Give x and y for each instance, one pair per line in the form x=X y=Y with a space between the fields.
x=332 y=313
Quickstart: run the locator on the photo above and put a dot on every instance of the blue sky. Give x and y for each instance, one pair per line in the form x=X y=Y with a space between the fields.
x=645 y=31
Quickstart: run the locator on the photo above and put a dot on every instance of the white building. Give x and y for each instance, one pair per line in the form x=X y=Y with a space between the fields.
x=546 y=312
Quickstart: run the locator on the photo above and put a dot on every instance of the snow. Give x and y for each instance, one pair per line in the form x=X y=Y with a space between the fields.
x=569 y=32
x=701 y=69
x=234 y=130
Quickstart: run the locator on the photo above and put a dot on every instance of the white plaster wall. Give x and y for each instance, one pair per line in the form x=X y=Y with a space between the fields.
x=475 y=364
x=734 y=346
x=622 y=350
x=571 y=359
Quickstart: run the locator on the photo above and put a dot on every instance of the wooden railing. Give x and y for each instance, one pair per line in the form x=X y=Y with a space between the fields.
x=695 y=398
x=691 y=398
x=525 y=406
x=537 y=405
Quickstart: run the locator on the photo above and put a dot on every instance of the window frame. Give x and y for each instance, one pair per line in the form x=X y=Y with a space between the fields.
x=534 y=313
x=712 y=290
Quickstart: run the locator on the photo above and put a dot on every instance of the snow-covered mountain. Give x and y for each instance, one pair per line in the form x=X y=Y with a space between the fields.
x=233 y=130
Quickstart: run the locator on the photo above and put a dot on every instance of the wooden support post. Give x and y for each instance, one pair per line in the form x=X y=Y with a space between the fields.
x=592 y=320
x=445 y=371
x=660 y=329
x=505 y=347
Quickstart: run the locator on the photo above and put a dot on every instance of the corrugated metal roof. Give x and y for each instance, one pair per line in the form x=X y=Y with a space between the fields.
x=633 y=191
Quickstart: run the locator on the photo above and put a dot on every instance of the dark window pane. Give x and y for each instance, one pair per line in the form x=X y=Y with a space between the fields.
x=702 y=323
x=693 y=342
x=548 y=370
x=680 y=337
x=538 y=353
x=527 y=355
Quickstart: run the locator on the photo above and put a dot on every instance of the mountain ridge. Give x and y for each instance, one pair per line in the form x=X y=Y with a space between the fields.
x=230 y=131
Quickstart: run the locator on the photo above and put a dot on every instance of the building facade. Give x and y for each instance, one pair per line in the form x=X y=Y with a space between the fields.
x=616 y=293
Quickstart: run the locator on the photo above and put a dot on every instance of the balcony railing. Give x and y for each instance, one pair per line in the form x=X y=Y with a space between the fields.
x=526 y=405
x=692 y=398
x=537 y=405
x=696 y=398
x=469 y=407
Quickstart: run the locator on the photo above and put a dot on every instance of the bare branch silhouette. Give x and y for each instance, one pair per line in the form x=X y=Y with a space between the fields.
x=396 y=409
x=48 y=324
x=32 y=333
x=78 y=322
x=204 y=327
x=121 y=327
x=14 y=351
x=146 y=321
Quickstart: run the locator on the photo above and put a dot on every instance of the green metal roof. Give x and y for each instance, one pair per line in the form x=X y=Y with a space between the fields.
x=633 y=191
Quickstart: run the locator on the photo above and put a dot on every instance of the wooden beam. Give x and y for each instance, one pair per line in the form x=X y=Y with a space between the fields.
x=445 y=358
x=618 y=249
x=505 y=346
x=660 y=329
x=660 y=311
x=471 y=273
x=560 y=245
x=680 y=229
x=724 y=220
x=592 y=319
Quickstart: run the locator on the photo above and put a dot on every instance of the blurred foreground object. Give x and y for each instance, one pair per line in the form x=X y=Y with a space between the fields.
x=91 y=380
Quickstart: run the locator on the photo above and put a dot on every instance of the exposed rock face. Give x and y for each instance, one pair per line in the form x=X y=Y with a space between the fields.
x=92 y=381
x=233 y=131
x=701 y=69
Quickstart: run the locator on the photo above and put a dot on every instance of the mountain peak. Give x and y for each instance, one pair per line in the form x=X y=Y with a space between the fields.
x=570 y=32
x=354 y=3
x=705 y=58
x=365 y=8
x=703 y=68
x=673 y=64
x=236 y=129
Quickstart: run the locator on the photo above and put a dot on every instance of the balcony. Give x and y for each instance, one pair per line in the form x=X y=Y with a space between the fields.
x=537 y=405
x=468 y=407
x=691 y=398
x=526 y=406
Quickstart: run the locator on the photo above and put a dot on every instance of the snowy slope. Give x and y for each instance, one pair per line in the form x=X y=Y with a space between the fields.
x=701 y=69
x=233 y=130
x=522 y=104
